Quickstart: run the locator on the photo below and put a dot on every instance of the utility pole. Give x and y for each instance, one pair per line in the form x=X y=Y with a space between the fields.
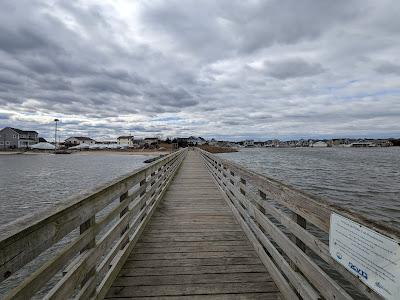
x=55 y=134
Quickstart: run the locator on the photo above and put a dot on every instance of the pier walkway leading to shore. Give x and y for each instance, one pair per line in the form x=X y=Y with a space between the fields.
x=194 y=247
x=190 y=225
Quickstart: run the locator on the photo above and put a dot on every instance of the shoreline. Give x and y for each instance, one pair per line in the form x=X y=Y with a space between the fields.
x=94 y=152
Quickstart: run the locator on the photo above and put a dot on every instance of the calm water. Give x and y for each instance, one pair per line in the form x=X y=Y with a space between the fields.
x=29 y=183
x=365 y=180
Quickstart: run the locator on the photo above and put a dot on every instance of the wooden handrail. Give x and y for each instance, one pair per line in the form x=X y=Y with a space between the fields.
x=277 y=219
x=109 y=220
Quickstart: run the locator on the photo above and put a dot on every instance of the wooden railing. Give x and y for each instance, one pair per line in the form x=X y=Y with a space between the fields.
x=91 y=235
x=289 y=229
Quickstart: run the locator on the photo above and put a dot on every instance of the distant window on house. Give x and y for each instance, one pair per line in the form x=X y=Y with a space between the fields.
x=14 y=136
x=1 y=143
x=7 y=143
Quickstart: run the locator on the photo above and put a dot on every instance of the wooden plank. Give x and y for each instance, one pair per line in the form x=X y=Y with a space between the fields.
x=196 y=249
x=191 y=279
x=189 y=262
x=206 y=254
x=192 y=244
x=219 y=269
x=241 y=296
x=193 y=289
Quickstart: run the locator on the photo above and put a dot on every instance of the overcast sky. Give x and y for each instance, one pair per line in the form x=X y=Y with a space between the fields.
x=225 y=69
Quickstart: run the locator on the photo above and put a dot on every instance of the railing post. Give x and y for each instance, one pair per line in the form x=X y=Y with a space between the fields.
x=302 y=223
x=143 y=184
x=121 y=215
x=82 y=229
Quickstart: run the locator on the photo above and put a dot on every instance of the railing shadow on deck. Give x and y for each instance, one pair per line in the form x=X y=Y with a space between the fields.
x=108 y=223
x=285 y=226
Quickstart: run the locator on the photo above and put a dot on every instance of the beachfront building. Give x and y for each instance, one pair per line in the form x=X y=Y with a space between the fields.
x=78 y=140
x=152 y=142
x=138 y=143
x=248 y=143
x=13 y=138
x=125 y=140
x=192 y=140
x=319 y=144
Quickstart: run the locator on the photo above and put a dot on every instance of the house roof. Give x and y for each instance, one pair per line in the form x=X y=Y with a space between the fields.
x=81 y=138
x=19 y=131
x=124 y=137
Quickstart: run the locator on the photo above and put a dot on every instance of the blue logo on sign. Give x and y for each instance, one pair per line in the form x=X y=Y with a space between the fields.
x=338 y=255
x=358 y=270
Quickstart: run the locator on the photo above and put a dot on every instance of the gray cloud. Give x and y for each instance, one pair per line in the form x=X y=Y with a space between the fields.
x=292 y=68
x=388 y=68
x=219 y=68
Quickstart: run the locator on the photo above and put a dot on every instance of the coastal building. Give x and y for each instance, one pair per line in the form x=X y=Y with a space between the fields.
x=319 y=144
x=192 y=140
x=362 y=144
x=213 y=142
x=248 y=143
x=125 y=140
x=13 y=138
x=138 y=143
x=77 y=140
x=152 y=141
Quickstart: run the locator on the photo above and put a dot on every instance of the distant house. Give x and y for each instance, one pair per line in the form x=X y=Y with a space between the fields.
x=248 y=143
x=138 y=143
x=77 y=140
x=152 y=140
x=12 y=138
x=192 y=140
x=319 y=144
x=213 y=142
x=362 y=144
x=125 y=140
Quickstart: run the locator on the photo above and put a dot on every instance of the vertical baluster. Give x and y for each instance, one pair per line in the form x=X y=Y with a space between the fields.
x=83 y=228
x=143 y=184
x=303 y=223
x=121 y=215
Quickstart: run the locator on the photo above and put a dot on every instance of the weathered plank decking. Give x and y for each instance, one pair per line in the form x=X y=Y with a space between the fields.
x=193 y=247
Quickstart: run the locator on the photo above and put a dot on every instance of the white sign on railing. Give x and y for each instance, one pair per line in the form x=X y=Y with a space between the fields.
x=369 y=255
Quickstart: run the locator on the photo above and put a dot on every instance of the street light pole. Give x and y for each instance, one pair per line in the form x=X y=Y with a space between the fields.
x=55 y=134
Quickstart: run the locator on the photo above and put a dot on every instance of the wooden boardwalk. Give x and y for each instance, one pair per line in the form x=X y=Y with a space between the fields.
x=193 y=248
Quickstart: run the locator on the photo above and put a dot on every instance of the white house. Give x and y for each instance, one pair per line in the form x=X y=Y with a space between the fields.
x=248 y=143
x=152 y=141
x=125 y=140
x=77 y=140
x=319 y=144
x=192 y=140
